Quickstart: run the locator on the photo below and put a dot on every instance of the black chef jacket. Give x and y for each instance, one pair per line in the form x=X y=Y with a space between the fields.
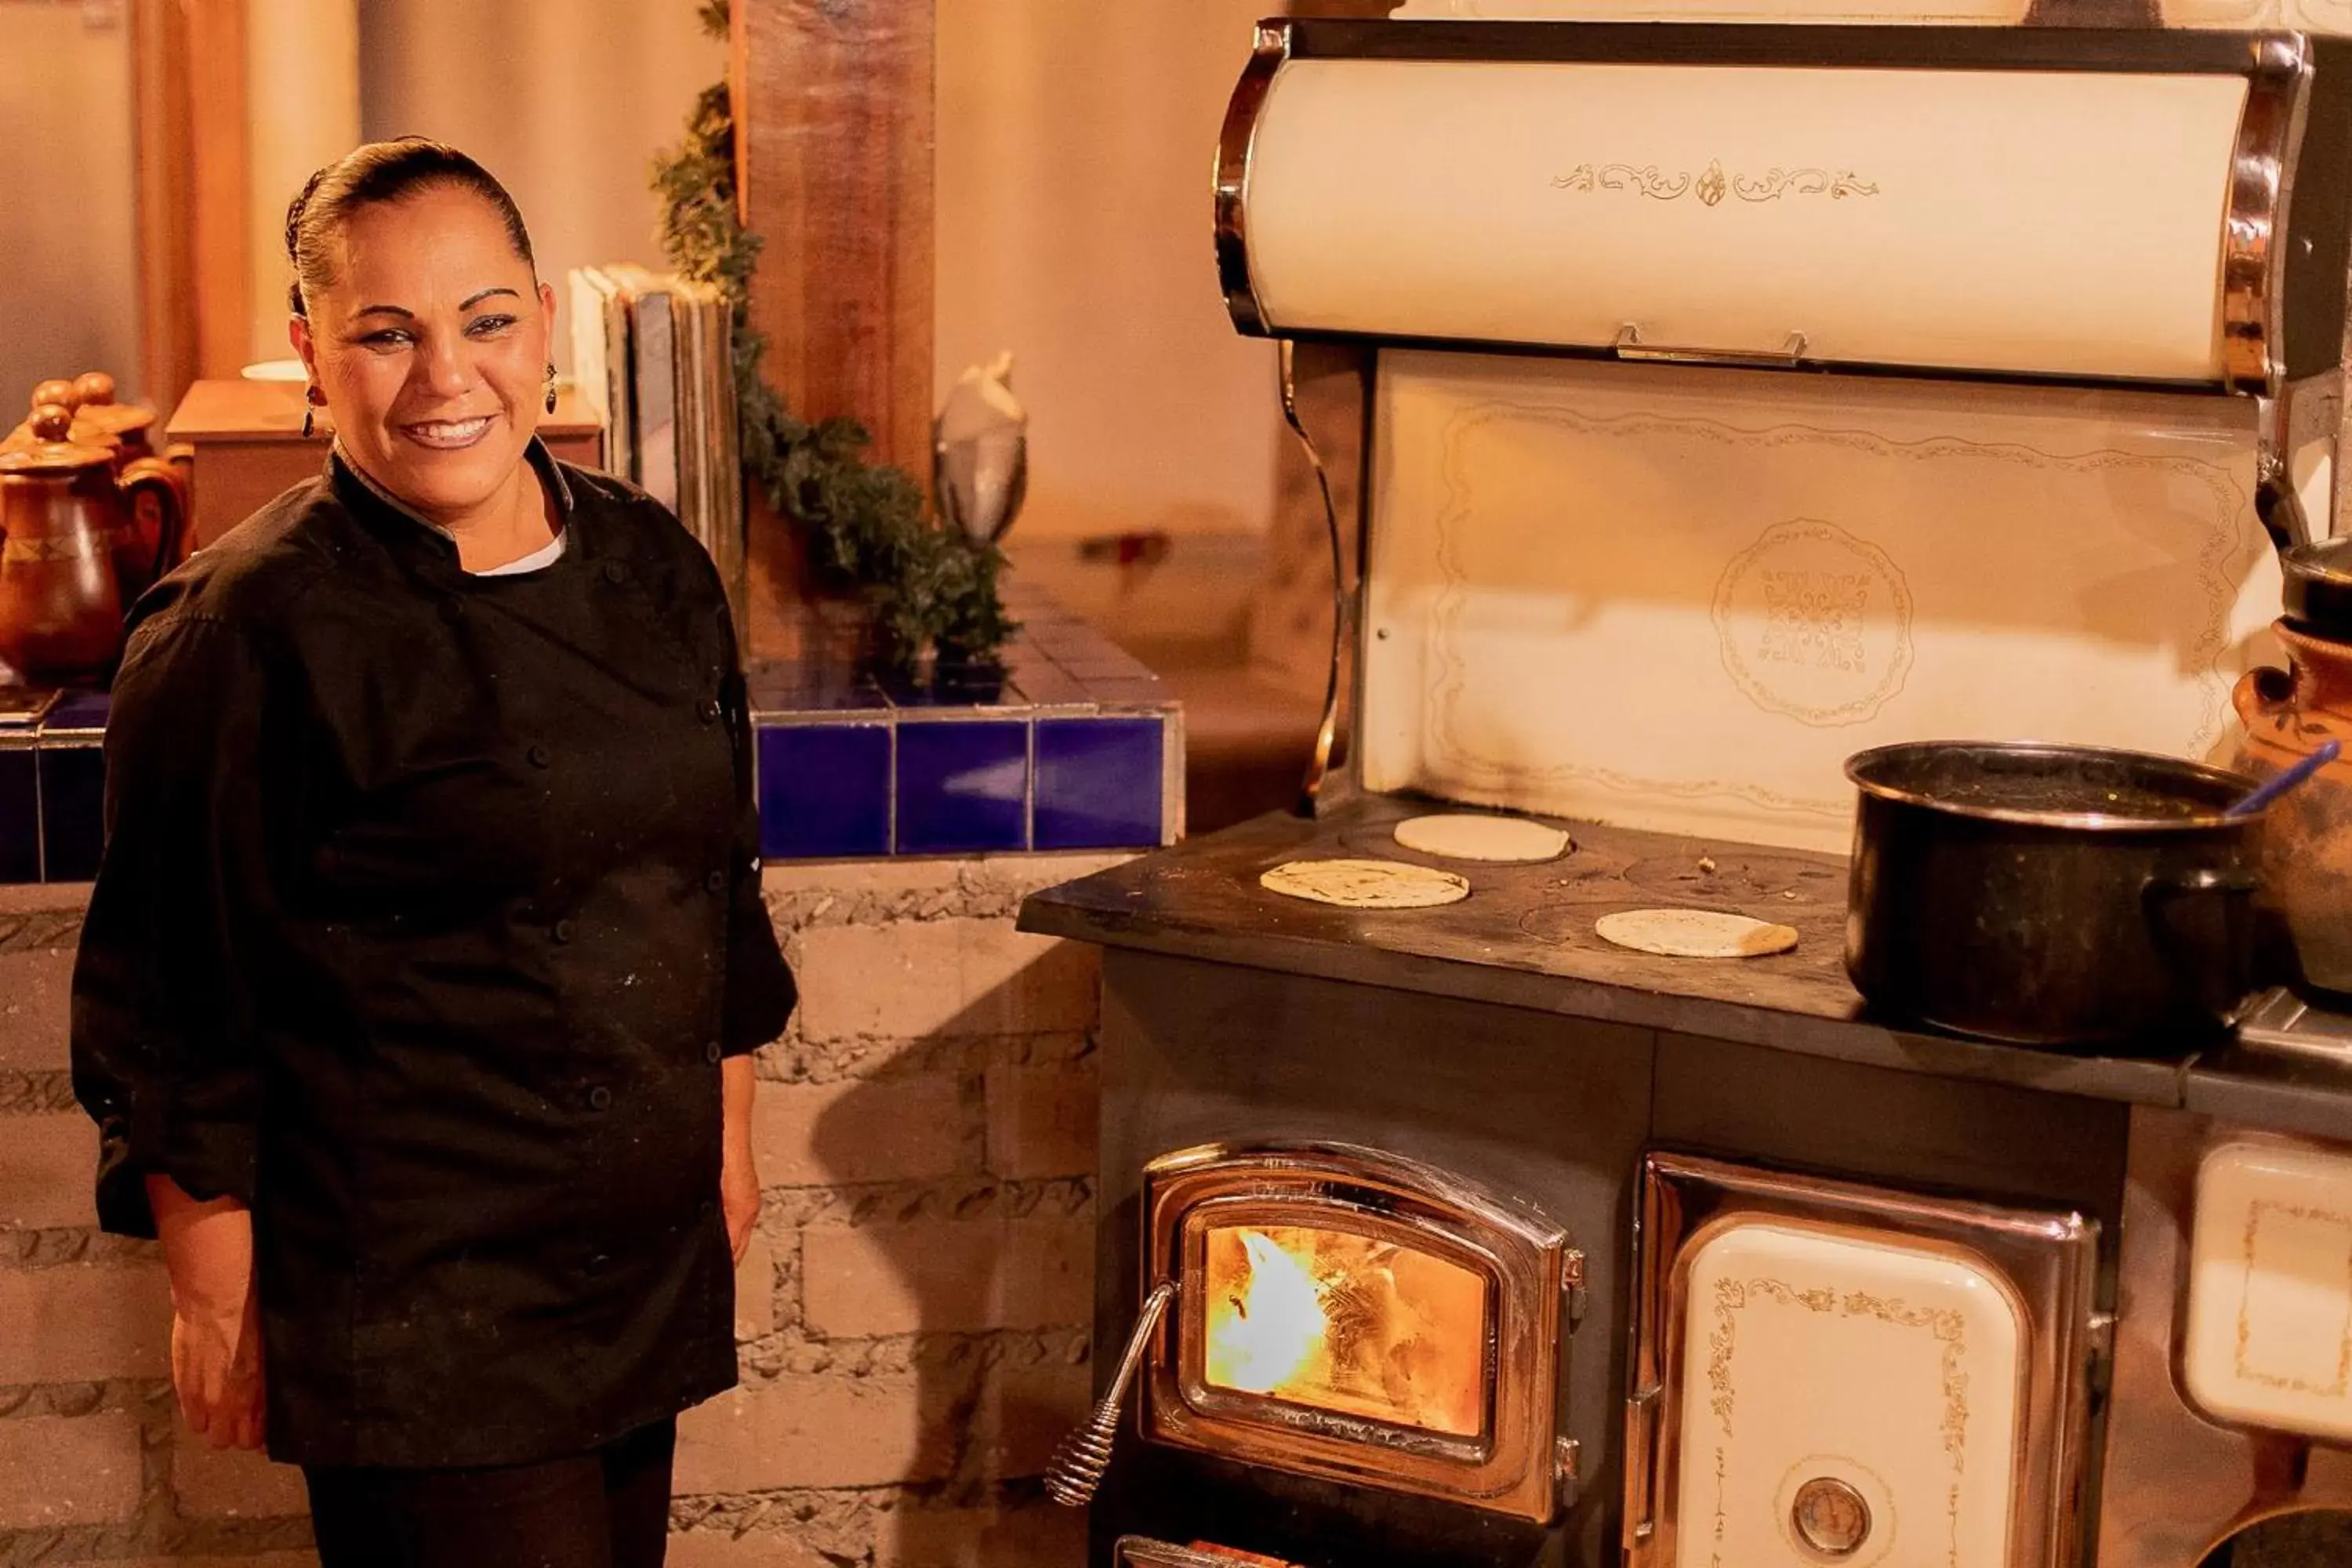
x=430 y=905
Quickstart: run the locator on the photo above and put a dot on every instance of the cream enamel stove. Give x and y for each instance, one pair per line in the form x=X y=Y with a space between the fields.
x=1710 y=402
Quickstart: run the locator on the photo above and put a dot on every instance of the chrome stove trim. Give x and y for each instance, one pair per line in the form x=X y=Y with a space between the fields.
x=1318 y=764
x=1268 y=50
x=2178 y=1482
x=1514 y=1465
x=2049 y=1260
x=2254 y=228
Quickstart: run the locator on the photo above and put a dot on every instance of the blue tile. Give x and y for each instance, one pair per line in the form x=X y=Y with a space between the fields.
x=953 y=686
x=79 y=711
x=785 y=688
x=73 y=811
x=824 y=789
x=20 y=816
x=1099 y=783
x=964 y=788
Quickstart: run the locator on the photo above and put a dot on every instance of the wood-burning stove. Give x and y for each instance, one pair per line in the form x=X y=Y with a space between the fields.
x=2075 y=301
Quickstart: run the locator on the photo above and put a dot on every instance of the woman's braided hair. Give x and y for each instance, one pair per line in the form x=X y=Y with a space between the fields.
x=381 y=171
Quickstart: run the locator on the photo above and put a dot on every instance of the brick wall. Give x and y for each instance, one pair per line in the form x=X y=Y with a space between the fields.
x=913 y=1311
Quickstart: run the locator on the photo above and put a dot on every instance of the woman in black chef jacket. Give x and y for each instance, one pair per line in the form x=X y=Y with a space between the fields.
x=416 y=994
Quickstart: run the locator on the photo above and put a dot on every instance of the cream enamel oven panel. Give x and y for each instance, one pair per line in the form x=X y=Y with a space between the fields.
x=2306 y=16
x=2029 y=222
x=1887 y=1369
x=2269 y=1340
x=1678 y=599
x=1989 y=13
x=1826 y=1373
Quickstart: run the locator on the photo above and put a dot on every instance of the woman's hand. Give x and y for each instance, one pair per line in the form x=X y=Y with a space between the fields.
x=738 y=1177
x=217 y=1362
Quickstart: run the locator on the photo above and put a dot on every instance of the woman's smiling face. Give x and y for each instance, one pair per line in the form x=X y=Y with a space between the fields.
x=431 y=348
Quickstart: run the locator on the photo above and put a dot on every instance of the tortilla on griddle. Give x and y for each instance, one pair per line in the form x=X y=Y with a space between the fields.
x=1499 y=840
x=1694 y=933
x=1366 y=884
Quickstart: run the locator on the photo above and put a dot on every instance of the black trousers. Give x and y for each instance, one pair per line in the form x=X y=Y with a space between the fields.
x=608 y=1508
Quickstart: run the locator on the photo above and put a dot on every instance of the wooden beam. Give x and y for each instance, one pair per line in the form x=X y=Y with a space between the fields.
x=833 y=135
x=162 y=170
x=190 y=109
x=221 y=190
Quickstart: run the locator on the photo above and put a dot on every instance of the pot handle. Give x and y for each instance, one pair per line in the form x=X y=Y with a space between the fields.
x=2260 y=694
x=2220 y=988
x=2205 y=880
x=1077 y=1465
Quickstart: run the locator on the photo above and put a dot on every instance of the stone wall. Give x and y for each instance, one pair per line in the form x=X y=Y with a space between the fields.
x=913 y=1313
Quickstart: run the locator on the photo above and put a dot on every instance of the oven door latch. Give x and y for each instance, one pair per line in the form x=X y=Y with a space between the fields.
x=1077 y=1467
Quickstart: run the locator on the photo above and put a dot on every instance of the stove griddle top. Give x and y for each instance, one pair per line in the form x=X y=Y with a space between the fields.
x=1525 y=938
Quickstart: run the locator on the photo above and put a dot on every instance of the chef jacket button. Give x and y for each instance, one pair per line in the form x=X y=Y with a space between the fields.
x=540 y=756
x=708 y=1208
x=708 y=710
x=598 y=1262
x=617 y=572
x=716 y=881
x=563 y=930
x=600 y=1099
x=710 y=1051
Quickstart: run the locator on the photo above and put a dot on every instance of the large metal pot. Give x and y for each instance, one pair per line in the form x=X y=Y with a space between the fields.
x=2051 y=895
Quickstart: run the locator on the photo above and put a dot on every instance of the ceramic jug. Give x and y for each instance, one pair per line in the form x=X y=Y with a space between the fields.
x=68 y=542
x=2307 y=840
x=128 y=432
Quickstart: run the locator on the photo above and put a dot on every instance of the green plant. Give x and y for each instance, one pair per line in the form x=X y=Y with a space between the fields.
x=866 y=526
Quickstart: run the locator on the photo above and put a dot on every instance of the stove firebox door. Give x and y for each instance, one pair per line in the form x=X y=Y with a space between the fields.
x=1346 y=1314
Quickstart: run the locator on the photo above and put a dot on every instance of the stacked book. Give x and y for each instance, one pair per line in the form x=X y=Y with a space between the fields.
x=653 y=354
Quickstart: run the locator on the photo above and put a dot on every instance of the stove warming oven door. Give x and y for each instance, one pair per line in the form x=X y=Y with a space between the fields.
x=1346 y=1314
x=1827 y=1373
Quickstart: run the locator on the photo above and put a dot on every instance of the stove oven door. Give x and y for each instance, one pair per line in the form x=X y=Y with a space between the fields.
x=1345 y=1314
x=1835 y=1374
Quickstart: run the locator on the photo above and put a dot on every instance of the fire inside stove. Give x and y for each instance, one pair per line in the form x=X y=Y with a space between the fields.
x=1348 y=1323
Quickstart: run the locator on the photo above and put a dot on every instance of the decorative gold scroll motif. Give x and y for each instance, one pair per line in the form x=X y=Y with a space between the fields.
x=1947 y=1325
x=2255 y=1214
x=1711 y=183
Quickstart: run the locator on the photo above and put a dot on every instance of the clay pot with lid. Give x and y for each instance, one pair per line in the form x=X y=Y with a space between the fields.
x=130 y=426
x=70 y=543
x=127 y=432
x=2288 y=714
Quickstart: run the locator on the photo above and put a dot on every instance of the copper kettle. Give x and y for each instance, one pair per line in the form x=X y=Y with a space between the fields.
x=72 y=551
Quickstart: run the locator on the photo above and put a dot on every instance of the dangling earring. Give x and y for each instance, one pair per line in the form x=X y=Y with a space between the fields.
x=551 y=386
x=311 y=398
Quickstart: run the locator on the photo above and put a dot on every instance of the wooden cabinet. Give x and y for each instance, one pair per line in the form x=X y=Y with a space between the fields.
x=248 y=437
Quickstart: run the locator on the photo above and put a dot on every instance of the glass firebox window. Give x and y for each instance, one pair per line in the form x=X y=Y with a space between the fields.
x=1346 y=1323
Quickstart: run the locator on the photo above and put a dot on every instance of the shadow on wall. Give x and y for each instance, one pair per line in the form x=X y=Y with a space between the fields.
x=917 y=1333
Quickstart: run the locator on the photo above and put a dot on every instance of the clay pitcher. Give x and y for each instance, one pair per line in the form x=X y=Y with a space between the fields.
x=2307 y=839
x=63 y=515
